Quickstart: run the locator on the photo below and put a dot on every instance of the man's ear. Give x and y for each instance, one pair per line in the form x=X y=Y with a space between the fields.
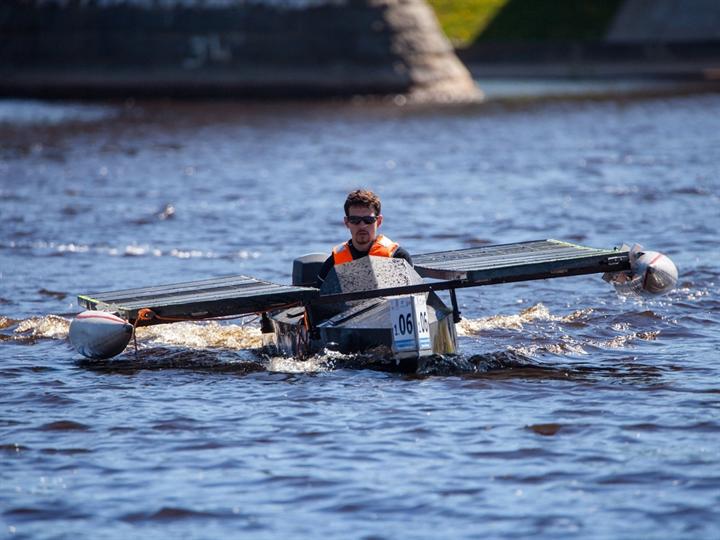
x=345 y=219
x=379 y=220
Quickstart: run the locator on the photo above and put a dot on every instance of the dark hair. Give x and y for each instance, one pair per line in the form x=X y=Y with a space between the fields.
x=362 y=197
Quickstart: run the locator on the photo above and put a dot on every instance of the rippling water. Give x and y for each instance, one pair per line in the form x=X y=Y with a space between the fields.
x=570 y=413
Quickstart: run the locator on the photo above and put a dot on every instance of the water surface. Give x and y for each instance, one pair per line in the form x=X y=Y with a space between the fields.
x=572 y=412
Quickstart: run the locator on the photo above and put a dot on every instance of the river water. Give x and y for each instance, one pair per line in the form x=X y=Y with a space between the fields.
x=572 y=412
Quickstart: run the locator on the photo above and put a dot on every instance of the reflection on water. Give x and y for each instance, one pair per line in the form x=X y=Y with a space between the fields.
x=569 y=412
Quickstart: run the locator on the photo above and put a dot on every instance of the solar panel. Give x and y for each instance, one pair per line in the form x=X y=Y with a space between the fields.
x=486 y=265
x=519 y=261
x=230 y=295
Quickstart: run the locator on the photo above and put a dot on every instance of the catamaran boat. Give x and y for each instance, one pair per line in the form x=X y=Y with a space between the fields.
x=377 y=304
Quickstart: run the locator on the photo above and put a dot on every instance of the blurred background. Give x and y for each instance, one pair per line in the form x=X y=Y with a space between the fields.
x=321 y=48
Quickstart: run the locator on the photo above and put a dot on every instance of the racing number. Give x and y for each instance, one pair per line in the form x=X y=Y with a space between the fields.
x=424 y=325
x=404 y=324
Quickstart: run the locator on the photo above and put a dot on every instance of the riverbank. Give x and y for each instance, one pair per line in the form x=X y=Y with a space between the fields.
x=603 y=39
x=601 y=60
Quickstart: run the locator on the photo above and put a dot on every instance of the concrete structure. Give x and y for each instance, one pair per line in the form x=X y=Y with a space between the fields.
x=256 y=48
x=666 y=21
x=677 y=39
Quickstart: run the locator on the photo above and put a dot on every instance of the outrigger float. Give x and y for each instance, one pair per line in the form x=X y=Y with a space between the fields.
x=370 y=304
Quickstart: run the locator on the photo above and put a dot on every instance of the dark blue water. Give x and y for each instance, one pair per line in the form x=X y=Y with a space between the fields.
x=572 y=412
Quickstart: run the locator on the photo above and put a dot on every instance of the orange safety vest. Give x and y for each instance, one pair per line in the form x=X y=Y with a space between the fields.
x=381 y=247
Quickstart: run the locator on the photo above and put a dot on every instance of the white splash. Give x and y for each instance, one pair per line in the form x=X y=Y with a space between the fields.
x=48 y=327
x=538 y=312
x=29 y=112
x=202 y=335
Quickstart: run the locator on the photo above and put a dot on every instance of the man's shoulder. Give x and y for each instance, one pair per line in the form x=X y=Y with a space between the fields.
x=402 y=253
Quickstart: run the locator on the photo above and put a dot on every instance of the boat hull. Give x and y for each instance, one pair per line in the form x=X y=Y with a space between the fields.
x=365 y=328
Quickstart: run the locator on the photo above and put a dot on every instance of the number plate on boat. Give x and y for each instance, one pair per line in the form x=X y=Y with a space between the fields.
x=410 y=325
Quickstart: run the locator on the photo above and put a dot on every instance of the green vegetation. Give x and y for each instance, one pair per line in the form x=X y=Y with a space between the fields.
x=465 y=21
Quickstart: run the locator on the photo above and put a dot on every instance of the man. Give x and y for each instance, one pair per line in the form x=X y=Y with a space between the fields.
x=363 y=219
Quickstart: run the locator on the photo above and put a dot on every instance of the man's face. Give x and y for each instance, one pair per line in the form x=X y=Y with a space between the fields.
x=362 y=233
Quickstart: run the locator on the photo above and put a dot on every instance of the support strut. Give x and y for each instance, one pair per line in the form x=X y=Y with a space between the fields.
x=456 y=310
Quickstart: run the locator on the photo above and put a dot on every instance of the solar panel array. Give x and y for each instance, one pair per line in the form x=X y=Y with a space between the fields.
x=532 y=260
x=230 y=295
x=237 y=295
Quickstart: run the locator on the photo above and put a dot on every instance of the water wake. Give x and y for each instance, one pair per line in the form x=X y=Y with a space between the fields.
x=237 y=347
x=30 y=330
x=209 y=335
x=197 y=335
x=538 y=312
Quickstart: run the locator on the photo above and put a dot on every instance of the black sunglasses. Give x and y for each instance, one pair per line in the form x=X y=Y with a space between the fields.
x=367 y=220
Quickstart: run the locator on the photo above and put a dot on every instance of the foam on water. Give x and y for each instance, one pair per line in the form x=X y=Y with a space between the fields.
x=538 y=312
x=314 y=364
x=210 y=335
x=568 y=345
x=130 y=250
x=5 y=322
x=47 y=327
x=198 y=335
x=29 y=112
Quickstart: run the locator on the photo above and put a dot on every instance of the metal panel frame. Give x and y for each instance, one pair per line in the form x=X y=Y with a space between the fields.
x=520 y=258
x=472 y=267
x=220 y=297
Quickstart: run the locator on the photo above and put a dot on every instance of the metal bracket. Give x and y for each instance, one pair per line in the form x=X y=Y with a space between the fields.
x=312 y=330
x=456 y=310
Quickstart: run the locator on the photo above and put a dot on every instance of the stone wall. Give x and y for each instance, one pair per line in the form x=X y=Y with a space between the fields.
x=258 y=48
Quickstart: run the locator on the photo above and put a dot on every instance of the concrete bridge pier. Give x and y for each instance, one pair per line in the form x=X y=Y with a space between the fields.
x=228 y=48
